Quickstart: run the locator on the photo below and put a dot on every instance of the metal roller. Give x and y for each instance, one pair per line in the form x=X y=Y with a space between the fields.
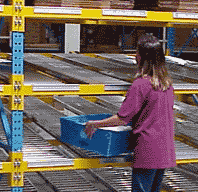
x=118 y=178
x=28 y=186
x=68 y=181
x=180 y=180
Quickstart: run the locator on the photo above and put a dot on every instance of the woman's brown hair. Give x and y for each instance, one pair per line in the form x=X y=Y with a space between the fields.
x=151 y=62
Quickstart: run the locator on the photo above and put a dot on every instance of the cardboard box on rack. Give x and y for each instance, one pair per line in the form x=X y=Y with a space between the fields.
x=120 y=4
x=53 y=3
x=106 y=141
x=100 y=4
x=179 y=5
x=87 y=4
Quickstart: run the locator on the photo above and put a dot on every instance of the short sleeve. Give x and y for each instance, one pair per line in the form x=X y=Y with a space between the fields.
x=132 y=104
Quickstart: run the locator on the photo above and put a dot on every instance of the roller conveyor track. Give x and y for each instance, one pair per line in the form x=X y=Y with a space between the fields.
x=180 y=180
x=176 y=179
x=191 y=112
x=49 y=118
x=68 y=71
x=118 y=178
x=125 y=73
x=112 y=102
x=34 y=78
x=182 y=71
x=65 y=71
x=189 y=152
x=75 y=181
x=120 y=58
x=121 y=71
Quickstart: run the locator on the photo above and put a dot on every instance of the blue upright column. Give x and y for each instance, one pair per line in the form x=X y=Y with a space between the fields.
x=171 y=40
x=16 y=102
x=17 y=189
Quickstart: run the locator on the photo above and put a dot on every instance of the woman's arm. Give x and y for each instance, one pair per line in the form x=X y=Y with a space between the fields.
x=108 y=122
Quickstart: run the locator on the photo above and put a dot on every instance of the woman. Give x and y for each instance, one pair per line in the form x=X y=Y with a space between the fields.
x=149 y=105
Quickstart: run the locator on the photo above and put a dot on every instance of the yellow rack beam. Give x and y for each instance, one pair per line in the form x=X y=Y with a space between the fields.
x=98 y=16
x=80 y=163
x=6 y=11
x=84 y=89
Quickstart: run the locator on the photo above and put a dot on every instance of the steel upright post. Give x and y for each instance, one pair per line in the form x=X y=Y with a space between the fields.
x=16 y=104
x=171 y=40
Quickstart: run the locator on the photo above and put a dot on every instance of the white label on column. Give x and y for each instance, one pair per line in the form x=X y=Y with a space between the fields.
x=57 y=10
x=1 y=7
x=185 y=15
x=1 y=87
x=129 y=13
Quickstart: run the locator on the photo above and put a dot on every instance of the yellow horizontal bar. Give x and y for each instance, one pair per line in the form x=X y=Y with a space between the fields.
x=96 y=14
x=186 y=92
x=8 y=167
x=7 y=11
x=8 y=90
x=186 y=161
x=78 y=164
x=84 y=90
x=79 y=93
x=81 y=164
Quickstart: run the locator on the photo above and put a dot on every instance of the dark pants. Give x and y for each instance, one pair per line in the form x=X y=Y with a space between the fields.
x=147 y=180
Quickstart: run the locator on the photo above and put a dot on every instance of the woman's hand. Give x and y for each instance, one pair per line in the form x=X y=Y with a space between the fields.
x=89 y=129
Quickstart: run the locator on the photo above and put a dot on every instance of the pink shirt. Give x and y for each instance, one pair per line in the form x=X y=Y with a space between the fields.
x=151 y=113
